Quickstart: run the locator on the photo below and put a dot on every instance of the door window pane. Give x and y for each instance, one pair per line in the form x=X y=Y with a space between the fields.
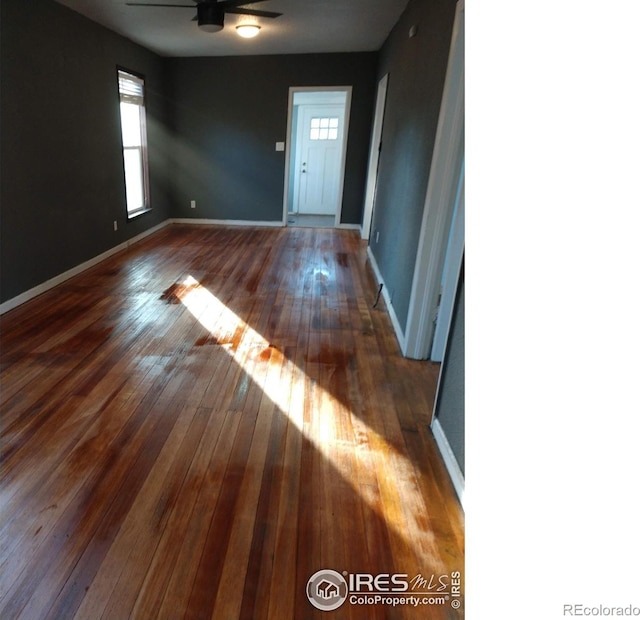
x=324 y=128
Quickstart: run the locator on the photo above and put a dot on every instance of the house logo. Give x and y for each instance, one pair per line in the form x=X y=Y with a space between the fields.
x=327 y=590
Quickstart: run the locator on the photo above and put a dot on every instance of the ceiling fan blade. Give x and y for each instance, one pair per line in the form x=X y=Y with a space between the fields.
x=241 y=11
x=173 y=6
x=230 y=4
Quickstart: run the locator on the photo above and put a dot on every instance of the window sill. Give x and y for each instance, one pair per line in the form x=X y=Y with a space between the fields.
x=135 y=214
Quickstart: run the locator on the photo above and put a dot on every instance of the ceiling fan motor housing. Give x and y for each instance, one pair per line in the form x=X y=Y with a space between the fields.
x=210 y=17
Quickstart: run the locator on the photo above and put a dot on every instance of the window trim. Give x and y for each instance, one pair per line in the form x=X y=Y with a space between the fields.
x=143 y=148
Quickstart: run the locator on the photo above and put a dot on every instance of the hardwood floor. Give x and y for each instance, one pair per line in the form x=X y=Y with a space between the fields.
x=197 y=425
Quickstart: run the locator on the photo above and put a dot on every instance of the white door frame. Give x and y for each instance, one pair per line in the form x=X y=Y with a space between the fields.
x=290 y=138
x=374 y=157
x=446 y=165
x=450 y=275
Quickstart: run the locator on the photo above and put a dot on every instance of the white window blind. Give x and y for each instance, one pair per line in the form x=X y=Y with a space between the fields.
x=131 y=88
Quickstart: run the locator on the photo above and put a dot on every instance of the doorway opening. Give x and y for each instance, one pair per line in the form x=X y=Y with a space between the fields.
x=317 y=130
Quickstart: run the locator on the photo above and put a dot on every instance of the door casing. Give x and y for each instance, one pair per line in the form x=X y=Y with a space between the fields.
x=450 y=275
x=374 y=157
x=290 y=138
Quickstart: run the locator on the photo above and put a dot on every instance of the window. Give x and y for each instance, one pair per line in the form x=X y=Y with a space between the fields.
x=324 y=128
x=134 y=142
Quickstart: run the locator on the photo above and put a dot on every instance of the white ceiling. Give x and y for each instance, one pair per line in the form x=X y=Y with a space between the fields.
x=305 y=26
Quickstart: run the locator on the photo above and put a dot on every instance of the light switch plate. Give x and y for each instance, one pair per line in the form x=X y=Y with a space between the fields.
x=279 y=146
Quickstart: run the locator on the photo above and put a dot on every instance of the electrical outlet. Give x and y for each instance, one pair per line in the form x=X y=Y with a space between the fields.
x=193 y=204
x=115 y=225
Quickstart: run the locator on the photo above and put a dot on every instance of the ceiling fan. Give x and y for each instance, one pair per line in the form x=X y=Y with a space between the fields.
x=210 y=13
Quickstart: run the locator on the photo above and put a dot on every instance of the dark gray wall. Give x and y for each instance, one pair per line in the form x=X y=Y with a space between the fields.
x=230 y=111
x=449 y=409
x=62 y=175
x=417 y=68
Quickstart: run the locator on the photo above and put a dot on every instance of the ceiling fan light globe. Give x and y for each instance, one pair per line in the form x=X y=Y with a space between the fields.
x=248 y=31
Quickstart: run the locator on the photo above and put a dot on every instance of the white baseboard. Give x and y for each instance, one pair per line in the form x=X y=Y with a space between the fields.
x=202 y=221
x=385 y=294
x=450 y=462
x=14 y=302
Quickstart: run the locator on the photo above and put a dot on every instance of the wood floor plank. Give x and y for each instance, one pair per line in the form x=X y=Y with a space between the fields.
x=47 y=491
x=177 y=553
x=109 y=494
x=246 y=538
x=282 y=590
x=127 y=531
x=129 y=558
x=209 y=502
x=196 y=425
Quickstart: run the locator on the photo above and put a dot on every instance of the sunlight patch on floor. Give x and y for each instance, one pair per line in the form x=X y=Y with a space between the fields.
x=221 y=321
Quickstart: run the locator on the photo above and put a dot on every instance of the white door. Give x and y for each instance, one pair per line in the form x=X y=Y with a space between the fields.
x=318 y=159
